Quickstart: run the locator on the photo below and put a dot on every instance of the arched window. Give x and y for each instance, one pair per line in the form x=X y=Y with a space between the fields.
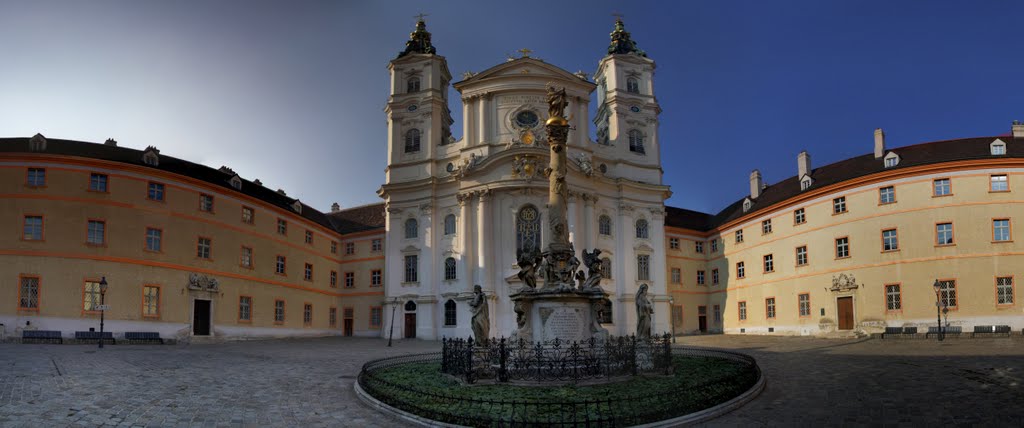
x=449 y=268
x=604 y=225
x=449 y=224
x=412 y=141
x=606 y=267
x=411 y=228
x=410 y=306
x=449 y=313
x=632 y=85
x=527 y=230
x=412 y=85
x=641 y=229
x=636 y=142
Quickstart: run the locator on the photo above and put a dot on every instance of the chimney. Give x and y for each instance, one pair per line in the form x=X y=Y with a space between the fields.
x=335 y=207
x=755 y=184
x=803 y=164
x=879 y=143
x=110 y=142
x=1018 y=129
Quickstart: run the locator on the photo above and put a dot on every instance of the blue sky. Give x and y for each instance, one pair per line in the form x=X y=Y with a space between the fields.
x=293 y=92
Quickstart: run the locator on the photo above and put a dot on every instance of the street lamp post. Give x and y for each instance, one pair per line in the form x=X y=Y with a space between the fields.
x=938 y=307
x=103 y=295
x=391 y=334
x=672 y=317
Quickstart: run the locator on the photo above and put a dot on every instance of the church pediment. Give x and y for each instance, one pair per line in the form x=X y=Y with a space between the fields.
x=521 y=67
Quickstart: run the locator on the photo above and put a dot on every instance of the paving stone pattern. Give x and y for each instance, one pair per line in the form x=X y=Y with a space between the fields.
x=291 y=383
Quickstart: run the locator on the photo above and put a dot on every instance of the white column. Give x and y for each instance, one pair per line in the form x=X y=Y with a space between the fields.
x=483 y=250
x=589 y=229
x=427 y=260
x=572 y=214
x=481 y=119
x=467 y=117
x=659 y=281
x=465 y=237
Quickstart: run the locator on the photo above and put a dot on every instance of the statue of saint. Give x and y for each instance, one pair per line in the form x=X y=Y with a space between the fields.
x=528 y=262
x=595 y=270
x=481 y=316
x=644 y=311
x=557 y=101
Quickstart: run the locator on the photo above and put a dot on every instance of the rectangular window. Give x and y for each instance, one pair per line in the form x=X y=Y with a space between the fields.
x=769 y=263
x=739 y=236
x=891 y=162
x=154 y=239
x=887 y=195
x=998 y=183
x=799 y=217
x=279 y=311
x=714 y=245
x=947 y=293
x=97 y=232
x=376 y=316
x=98 y=182
x=1004 y=290
x=376 y=245
x=842 y=247
x=717 y=313
x=944 y=234
x=839 y=205
x=28 y=293
x=151 y=301
x=769 y=305
x=677 y=316
x=246 y=259
x=412 y=262
x=766 y=227
x=375 y=278
x=998 y=149
x=307 y=272
x=90 y=296
x=332 y=318
x=245 y=308
x=350 y=248
x=942 y=187
x=741 y=270
x=155 y=191
x=36 y=177
x=279 y=266
x=203 y=246
x=334 y=279
x=643 y=267
x=334 y=247
x=698 y=247
x=714 y=276
x=32 y=229
x=700 y=277
x=893 y=299
x=309 y=237
x=677 y=276
x=206 y=203
x=282 y=227
x=1001 y=230
x=890 y=241
x=307 y=314
x=248 y=215
x=801 y=255
x=673 y=243
x=743 y=310
x=804 y=301
x=350 y=279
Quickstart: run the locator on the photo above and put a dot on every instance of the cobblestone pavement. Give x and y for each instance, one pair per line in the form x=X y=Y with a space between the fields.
x=811 y=382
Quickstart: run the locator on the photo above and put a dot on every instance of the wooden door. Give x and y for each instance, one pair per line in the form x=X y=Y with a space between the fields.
x=347 y=323
x=410 y=326
x=845 y=305
x=702 y=323
x=201 y=318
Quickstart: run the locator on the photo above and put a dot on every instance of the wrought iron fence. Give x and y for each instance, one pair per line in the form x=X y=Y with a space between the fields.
x=614 y=411
x=558 y=361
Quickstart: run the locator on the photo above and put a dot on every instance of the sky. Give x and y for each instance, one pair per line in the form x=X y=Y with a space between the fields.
x=292 y=92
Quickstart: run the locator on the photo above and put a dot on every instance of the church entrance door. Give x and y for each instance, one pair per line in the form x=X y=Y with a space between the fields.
x=347 y=326
x=845 y=305
x=201 y=318
x=410 y=326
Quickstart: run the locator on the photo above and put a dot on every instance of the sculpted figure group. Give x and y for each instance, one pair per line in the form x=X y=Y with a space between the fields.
x=533 y=263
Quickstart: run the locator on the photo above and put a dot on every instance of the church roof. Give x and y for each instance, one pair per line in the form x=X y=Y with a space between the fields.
x=515 y=67
x=359 y=219
x=848 y=169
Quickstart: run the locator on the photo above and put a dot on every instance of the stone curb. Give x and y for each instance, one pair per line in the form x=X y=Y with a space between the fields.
x=397 y=413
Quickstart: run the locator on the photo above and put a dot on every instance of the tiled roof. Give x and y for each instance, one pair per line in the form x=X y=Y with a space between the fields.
x=358 y=219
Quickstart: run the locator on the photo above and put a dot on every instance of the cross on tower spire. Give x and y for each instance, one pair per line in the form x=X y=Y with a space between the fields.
x=526 y=52
x=420 y=16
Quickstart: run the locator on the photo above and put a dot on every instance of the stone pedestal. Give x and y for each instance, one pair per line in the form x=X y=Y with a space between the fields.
x=566 y=315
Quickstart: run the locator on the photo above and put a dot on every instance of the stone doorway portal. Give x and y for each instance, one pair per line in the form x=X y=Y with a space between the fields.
x=201 y=318
x=845 y=311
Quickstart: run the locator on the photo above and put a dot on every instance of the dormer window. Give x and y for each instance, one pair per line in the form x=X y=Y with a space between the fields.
x=412 y=141
x=151 y=157
x=236 y=182
x=636 y=142
x=806 y=183
x=632 y=85
x=412 y=85
x=891 y=160
x=297 y=206
x=998 y=148
x=37 y=143
x=747 y=204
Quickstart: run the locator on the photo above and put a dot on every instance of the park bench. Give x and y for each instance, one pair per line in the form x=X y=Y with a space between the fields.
x=108 y=337
x=947 y=331
x=902 y=332
x=990 y=330
x=41 y=336
x=143 y=336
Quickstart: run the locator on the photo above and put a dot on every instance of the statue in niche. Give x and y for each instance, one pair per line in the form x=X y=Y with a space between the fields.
x=481 y=322
x=644 y=311
x=594 y=270
x=557 y=101
x=528 y=264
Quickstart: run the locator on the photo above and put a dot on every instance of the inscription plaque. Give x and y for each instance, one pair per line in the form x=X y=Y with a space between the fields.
x=564 y=324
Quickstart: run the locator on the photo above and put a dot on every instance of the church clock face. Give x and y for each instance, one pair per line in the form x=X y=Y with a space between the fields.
x=634 y=109
x=413 y=107
x=526 y=119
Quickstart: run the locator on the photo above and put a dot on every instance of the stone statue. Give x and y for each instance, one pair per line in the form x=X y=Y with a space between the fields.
x=557 y=101
x=528 y=263
x=644 y=311
x=581 y=279
x=481 y=316
x=595 y=270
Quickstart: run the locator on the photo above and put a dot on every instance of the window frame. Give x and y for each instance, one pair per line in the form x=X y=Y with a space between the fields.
x=350 y=248
x=159 y=240
x=280 y=265
x=673 y=243
x=42 y=227
x=768 y=263
x=380 y=317
x=741 y=270
x=643 y=267
x=332 y=316
x=85 y=292
x=701 y=280
x=411 y=271
x=952 y=235
x=766 y=226
x=800 y=304
x=410 y=229
x=739 y=235
x=1013 y=297
x=160 y=190
x=770 y=308
x=450 y=220
x=307 y=314
x=252 y=215
x=891 y=194
x=308 y=237
x=350 y=279
x=376 y=278
x=209 y=248
x=899 y=297
x=29 y=177
x=806 y=256
x=636 y=141
x=307 y=272
x=676 y=275
x=698 y=247
x=241 y=257
x=38 y=289
x=106 y=182
x=412 y=141
x=159 y=302
x=333 y=279
x=1009 y=230
x=451 y=269
x=944 y=297
x=103 y=237
x=453 y=312
x=895 y=237
x=284 y=311
x=203 y=198
x=935 y=187
x=992 y=181
x=741 y=310
x=282 y=226
x=799 y=216
x=849 y=252
x=839 y=205
x=643 y=229
x=604 y=225
x=715 y=277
